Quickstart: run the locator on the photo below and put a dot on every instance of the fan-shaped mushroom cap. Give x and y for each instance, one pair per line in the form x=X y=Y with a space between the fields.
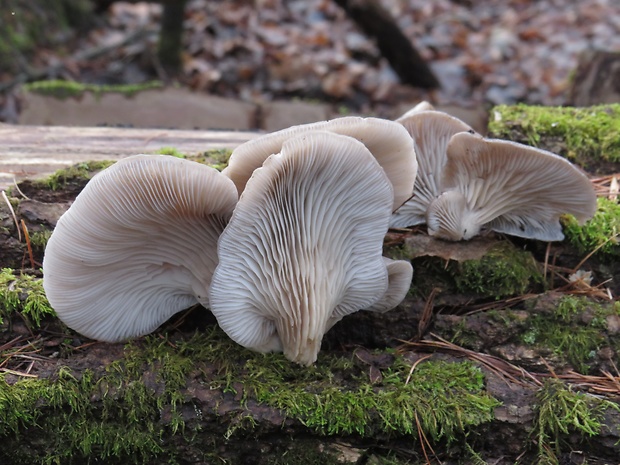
x=509 y=188
x=138 y=245
x=400 y=273
x=431 y=131
x=303 y=247
x=386 y=140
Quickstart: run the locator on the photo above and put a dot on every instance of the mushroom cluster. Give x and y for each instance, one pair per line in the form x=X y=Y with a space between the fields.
x=287 y=240
x=468 y=184
x=279 y=266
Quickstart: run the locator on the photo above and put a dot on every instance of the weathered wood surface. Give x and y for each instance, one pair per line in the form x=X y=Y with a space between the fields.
x=35 y=151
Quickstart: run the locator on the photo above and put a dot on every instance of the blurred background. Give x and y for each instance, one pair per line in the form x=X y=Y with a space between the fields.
x=279 y=62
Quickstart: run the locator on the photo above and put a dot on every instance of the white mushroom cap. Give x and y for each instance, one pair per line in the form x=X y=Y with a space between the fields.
x=138 y=245
x=400 y=273
x=386 y=140
x=431 y=131
x=422 y=106
x=509 y=188
x=303 y=247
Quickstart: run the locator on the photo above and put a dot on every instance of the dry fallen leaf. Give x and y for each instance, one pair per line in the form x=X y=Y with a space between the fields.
x=427 y=246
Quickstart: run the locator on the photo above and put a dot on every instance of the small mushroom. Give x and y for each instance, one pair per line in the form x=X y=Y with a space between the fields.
x=431 y=131
x=138 y=245
x=509 y=188
x=303 y=247
x=386 y=140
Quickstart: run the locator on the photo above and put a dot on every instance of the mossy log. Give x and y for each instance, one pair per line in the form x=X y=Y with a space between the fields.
x=183 y=397
x=589 y=137
x=505 y=351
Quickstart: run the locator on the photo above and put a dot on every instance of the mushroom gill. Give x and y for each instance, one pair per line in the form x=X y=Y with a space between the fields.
x=431 y=132
x=304 y=246
x=137 y=245
x=507 y=187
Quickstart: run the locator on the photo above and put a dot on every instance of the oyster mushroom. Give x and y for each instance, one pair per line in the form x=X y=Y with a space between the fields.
x=431 y=131
x=509 y=188
x=386 y=140
x=303 y=247
x=138 y=245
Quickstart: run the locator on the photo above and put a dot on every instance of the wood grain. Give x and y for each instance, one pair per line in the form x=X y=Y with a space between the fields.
x=35 y=151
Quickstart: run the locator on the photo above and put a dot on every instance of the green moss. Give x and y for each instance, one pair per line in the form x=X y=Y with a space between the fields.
x=503 y=271
x=573 y=331
x=171 y=151
x=23 y=293
x=561 y=411
x=62 y=412
x=67 y=89
x=461 y=335
x=586 y=135
x=600 y=233
x=217 y=158
x=315 y=396
x=120 y=414
x=39 y=238
x=78 y=172
x=81 y=172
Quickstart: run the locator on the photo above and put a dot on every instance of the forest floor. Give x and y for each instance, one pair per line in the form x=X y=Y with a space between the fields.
x=484 y=53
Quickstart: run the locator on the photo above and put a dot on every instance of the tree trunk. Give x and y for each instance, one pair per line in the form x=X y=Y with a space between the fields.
x=171 y=36
x=397 y=49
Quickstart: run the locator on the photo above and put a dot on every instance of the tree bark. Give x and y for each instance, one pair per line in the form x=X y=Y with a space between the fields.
x=171 y=36
x=397 y=49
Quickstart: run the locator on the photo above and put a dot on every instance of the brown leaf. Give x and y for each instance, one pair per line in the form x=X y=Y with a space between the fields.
x=427 y=246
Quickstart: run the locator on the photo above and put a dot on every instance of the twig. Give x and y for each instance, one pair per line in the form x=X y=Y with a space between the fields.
x=495 y=364
x=11 y=343
x=19 y=190
x=427 y=313
x=413 y=367
x=6 y=199
x=17 y=373
x=504 y=303
x=594 y=251
x=546 y=262
x=423 y=439
x=603 y=385
x=28 y=245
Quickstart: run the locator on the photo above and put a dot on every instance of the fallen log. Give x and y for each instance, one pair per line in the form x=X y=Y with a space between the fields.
x=479 y=363
x=35 y=151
